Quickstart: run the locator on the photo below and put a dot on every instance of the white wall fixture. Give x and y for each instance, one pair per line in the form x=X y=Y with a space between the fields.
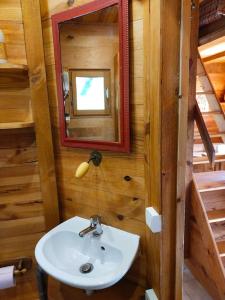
x=150 y=295
x=153 y=220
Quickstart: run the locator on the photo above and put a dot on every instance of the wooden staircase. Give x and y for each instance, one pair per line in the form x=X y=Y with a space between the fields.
x=207 y=231
x=212 y=113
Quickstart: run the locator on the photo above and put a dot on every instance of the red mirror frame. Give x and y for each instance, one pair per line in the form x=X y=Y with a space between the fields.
x=124 y=144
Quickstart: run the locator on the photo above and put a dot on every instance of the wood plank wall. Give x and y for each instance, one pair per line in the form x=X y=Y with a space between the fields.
x=104 y=190
x=21 y=208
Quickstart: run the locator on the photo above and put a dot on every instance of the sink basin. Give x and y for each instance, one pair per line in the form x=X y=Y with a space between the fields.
x=89 y=262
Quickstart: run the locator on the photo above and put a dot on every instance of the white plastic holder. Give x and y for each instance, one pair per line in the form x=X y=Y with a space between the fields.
x=150 y=295
x=153 y=220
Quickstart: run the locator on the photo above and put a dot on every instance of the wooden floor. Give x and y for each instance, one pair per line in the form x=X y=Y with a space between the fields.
x=193 y=289
x=125 y=290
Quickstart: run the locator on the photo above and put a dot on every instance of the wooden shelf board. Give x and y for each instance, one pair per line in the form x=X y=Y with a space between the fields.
x=14 y=75
x=14 y=125
x=13 y=67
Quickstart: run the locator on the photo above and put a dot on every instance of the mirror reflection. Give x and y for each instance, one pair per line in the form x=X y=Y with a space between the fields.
x=90 y=76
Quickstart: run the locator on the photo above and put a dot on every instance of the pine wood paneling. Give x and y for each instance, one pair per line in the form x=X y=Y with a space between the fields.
x=14 y=40
x=104 y=189
x=15 y=94
x=10 y=10
x=18 y=246
x=21 y=205
x=15 y=105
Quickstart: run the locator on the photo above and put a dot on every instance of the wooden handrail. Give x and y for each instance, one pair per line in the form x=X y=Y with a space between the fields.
x=207 y=142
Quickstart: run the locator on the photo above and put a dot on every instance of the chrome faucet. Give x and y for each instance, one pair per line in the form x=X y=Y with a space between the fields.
x=95 y=227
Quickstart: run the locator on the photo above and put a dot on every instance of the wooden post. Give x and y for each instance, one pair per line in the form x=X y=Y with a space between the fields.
x=40 y=108
x=152 y=54
x=182 y=142
x=170 y=71
x=191 y=112
x=167 y=147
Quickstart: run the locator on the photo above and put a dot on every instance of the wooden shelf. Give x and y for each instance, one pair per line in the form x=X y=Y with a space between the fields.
x=12 y=67
x=16 y=125
x=12 y=75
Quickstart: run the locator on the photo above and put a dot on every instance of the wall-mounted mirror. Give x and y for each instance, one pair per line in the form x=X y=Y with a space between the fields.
x=92 y=71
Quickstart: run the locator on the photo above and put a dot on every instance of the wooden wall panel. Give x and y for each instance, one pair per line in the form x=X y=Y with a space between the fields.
x=15 y=104
x=14 y=93
x=14 y=40
x=10 y=10
x=21 y=206
x=104 y=190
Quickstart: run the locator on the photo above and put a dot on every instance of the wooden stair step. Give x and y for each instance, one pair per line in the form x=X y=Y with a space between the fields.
x=212 y=112
x=223 y=106
x=223 y=261
x=204 y=160
x=205 y=93
x=212 y=133
x=220 y=121
x=221 y=248
x=208 y=102
x=213 y=200
x=210 y=180
x=199 y=150
x=200 y=68
x=218 y=230
x=214 y=139
x=201 y=74
x=210 y=123
x=203 y=84
x=215 y=216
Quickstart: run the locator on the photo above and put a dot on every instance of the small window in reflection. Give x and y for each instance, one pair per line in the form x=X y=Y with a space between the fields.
x=90 y=92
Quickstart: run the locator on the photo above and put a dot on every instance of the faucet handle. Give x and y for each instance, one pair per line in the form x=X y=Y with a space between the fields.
x=95 y=220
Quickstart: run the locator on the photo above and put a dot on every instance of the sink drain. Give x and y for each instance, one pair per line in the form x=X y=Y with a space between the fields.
x=86 y=268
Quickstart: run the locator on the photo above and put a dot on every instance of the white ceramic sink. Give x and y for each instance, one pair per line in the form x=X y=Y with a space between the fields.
x=61 y=253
